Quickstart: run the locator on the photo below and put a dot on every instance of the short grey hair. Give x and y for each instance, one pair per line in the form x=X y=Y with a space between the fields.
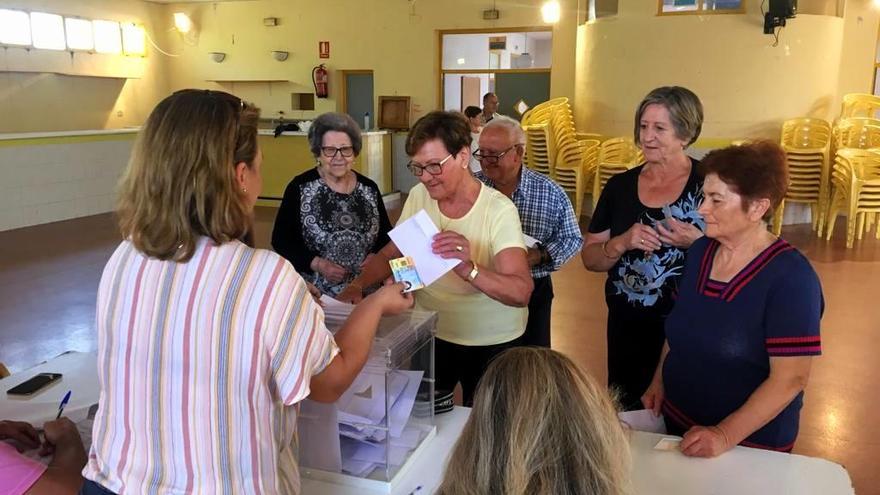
x=332 y=121
x=513 y=128
x=684 y=107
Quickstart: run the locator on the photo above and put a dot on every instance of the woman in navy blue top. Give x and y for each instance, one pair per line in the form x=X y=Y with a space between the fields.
x=745 y=325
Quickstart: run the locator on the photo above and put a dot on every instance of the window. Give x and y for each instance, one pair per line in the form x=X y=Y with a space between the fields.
x=701 y=7
x=107 y=37
x=15 y=27
x=53 y=32
x=133 y=39
x=47 y=31
x=79 y=34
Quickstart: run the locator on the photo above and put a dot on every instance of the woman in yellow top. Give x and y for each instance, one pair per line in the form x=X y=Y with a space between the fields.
x=482 y=302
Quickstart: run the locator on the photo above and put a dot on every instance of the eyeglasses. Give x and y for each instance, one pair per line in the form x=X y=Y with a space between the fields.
x=330 y=151
x=431 y=168
x=483 y=157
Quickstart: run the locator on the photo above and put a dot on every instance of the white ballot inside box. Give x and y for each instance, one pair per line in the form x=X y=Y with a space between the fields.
x=371 y=435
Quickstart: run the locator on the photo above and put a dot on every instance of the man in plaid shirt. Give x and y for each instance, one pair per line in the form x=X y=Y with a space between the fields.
x=544 y=210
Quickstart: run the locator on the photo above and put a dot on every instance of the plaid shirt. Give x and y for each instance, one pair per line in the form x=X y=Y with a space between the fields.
x=546 y=214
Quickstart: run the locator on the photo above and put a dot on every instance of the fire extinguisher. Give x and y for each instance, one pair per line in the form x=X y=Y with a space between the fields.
x=320 y=78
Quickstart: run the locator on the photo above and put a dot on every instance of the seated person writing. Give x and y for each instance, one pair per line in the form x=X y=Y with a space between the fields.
x=20 y=474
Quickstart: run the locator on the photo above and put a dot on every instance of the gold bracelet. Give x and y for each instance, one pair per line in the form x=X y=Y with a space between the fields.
x=605 y=250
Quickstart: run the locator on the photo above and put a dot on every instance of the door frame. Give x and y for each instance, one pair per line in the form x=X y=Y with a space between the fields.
x=342 y=107
x=438 y=61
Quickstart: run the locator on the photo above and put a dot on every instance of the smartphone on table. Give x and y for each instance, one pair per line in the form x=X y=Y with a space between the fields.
x=34 y=384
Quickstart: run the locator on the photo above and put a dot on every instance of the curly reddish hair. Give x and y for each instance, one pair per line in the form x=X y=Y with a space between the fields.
x=755 y=170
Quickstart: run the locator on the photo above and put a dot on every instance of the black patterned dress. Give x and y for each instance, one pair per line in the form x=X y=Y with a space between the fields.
x=639 y=289
x=315 y=220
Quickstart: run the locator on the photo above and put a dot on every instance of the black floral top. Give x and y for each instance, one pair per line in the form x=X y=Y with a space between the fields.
x=315 y=220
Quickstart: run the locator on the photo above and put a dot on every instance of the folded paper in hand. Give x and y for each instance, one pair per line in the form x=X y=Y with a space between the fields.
x=413 y=237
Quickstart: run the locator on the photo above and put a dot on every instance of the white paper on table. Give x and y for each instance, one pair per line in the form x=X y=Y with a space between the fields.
x=409 y=437
x=333 y=307
x=317 y=427
x=530 y=241
x=361 y=434
x=358 y=468
x=402 y=407
x=413 y=238
x=366 y=452
x=364 y=401
x=643 y=420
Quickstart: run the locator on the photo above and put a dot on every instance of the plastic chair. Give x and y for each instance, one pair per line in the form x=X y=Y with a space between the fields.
x=855 y=189
x=616 y=155
x=539 y=149
x=862 y=133
x=807 y=145
x=575 y=162
x=859 y=105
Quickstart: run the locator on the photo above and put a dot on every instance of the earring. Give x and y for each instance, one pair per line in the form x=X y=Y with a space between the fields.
x=244 y=189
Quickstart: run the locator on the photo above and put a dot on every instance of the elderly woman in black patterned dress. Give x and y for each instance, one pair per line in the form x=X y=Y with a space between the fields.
x=331 y=217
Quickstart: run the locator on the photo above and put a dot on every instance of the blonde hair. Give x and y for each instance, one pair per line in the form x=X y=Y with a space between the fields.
x=180 y=182
x=539 y=426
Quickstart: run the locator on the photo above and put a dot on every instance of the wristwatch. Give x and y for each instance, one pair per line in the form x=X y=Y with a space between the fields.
x=474 y=272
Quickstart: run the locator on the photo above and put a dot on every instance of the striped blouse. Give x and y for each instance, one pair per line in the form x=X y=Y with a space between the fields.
x=197 y=362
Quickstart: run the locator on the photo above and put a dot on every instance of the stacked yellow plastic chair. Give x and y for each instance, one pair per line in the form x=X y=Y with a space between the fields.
x=807 y=145
x=575 y=163
x=856 y=190
x=860 y=105
x=861 y=133
x=539 y=152
x=616 y=155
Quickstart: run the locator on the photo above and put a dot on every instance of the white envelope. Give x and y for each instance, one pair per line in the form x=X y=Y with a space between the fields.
x=413 y=238
x=643 y=420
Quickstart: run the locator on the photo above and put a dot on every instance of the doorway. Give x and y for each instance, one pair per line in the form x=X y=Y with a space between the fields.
x=513 y=63
x=357 y=96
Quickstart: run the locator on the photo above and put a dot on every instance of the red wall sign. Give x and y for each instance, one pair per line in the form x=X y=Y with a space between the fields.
x=324 y=49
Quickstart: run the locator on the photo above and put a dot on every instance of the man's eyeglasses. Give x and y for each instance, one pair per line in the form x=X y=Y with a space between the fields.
x=483 y=156
x=330 y=151
x=431 y=168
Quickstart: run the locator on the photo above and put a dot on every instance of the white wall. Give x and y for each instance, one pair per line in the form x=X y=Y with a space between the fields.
x=45 y=183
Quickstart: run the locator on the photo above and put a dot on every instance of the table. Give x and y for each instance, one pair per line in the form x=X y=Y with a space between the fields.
x=739 y=471
x=80 y=376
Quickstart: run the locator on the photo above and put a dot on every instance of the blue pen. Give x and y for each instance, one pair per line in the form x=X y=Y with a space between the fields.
x=64 y=402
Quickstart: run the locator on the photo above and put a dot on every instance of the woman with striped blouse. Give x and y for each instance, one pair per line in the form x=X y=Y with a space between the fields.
x=203 y=341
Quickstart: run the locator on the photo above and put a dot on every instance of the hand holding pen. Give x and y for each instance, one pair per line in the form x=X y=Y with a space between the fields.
x=64 y=402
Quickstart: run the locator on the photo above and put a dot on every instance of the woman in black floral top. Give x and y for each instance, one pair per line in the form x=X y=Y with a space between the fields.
x=331 y=217
x=644 y=222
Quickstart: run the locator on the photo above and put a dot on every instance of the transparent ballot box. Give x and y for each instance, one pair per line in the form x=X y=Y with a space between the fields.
x=371 y=435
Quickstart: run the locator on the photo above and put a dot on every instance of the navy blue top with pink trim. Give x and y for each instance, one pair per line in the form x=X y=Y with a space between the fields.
x=722 y=335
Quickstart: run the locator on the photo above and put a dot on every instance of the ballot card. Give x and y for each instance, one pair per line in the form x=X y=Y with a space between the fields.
x=668 y=443
x=404 y=271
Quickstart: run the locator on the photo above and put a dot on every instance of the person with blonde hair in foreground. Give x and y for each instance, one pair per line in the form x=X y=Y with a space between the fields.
x=540 y=425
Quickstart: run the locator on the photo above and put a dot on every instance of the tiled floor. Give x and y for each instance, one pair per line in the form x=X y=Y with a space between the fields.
x=49 y=276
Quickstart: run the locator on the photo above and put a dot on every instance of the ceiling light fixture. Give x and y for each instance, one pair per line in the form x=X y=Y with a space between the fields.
x=551 y=11
x=182 y=22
